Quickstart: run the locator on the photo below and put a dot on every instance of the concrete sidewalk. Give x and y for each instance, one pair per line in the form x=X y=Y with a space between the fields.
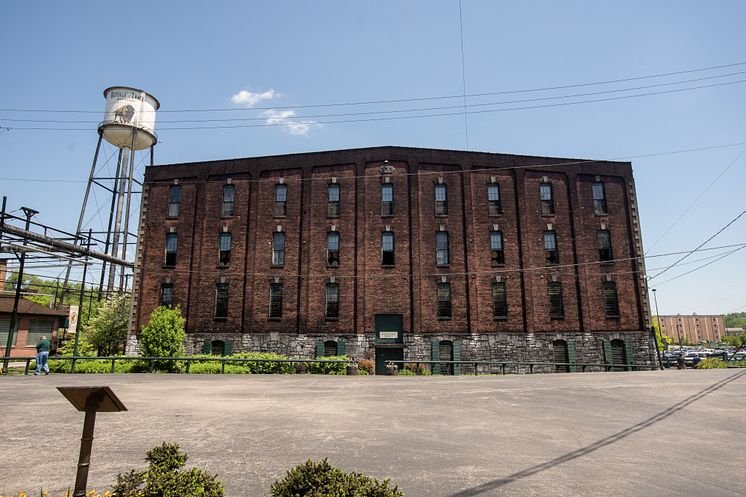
x=619 y=434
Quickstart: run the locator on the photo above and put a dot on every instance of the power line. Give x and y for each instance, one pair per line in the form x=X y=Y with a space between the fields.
x=700 y=245
x=398 y=118
x=702 y=266
x=406 y=110
x=414 y=99
x=697 y=199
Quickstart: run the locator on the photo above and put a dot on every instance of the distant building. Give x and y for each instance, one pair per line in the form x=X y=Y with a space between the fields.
x=734 y=332
x=397 y=253
x=34 y=320
x=693 y=328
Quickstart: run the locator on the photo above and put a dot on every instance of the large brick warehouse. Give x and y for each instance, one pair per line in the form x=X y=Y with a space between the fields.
x=395 y=252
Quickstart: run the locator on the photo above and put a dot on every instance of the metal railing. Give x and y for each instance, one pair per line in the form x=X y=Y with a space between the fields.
x=508 y=367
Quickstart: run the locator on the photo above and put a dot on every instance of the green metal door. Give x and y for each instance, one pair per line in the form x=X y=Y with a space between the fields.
x=385 y=355
x=389 y=329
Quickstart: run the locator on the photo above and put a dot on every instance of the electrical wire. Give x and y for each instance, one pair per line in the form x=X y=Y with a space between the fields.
x=702 y=266
x=415 y=99
x=701 y=245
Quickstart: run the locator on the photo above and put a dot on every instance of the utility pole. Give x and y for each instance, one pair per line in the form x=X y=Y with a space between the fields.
x=14 y=314
x=655 y=337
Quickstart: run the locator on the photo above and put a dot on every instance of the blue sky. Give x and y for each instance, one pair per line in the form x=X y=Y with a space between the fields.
x=198 y=55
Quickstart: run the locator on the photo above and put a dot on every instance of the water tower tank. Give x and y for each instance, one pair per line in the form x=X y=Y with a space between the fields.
x=130 y=114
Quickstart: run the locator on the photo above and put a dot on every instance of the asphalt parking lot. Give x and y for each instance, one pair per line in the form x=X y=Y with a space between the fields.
x=670 y=433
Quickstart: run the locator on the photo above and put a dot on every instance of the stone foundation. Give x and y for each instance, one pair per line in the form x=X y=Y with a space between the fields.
x=506 y=347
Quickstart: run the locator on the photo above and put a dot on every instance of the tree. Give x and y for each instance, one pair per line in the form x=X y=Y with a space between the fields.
x=736 y=320
x=663 y=340
x=107 y=329
x=163 y=336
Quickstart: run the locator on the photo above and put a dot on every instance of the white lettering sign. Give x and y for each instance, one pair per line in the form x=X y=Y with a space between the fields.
x=388 y=334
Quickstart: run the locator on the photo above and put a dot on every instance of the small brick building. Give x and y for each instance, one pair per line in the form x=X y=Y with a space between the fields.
x=395 y=252
x=33 y=321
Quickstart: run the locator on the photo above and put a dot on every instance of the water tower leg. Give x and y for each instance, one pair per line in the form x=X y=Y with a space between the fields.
x=118 y=220
x=125 y=233
x=111 y=221
x=83 y=208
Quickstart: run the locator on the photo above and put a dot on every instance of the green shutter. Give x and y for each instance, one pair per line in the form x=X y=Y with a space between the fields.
x=319 y=348
x=607 y=353
x=341 y=348
x=207 y=348
x=228 y=347
x=457 y=357
x=436 y=356
x=571 y=355
x=629 y=352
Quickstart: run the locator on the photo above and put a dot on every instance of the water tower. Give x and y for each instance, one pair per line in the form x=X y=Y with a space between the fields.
x=128 y=125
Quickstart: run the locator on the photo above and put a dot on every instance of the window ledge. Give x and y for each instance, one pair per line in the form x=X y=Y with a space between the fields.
x=273 y=318
x=168 y=267
x=279 y=216
x=556 y=317
x=444 y=318
x=226 y=217
x=220 y=318
x=387 y=215
x=441 y=215
x=443 y=265
x=549 y=215
x=616 y=317
x=499 y=318
x=601 y=214
x=607 y=263
x=332 y=266
x=172 y=217
x=333 y=216
x=327 y=318
x=498 y=264
x=227 y=266
x=388 y=266
x=277 y=266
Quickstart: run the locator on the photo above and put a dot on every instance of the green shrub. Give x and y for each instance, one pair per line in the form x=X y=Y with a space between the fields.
x=164 y=477
x=323 y=364
x=366 y=365
x=243 y=367
x=163 y=336
x=85 y=366
x=416 y=369
x=321 y=479
x=712 y=363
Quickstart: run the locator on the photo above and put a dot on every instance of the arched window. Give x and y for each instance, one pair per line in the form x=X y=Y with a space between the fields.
x=218 y=347
x=618 y=355
x=446 y=354
x=560 y=355
x=330 y=348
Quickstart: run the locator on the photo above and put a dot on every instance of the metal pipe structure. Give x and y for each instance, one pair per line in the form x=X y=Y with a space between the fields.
x=14 y=314
x=80 y=306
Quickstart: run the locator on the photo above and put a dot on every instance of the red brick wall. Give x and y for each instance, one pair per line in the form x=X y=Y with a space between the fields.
x=409 y=288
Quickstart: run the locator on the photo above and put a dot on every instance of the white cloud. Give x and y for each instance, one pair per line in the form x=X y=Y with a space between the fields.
x=250 y=99
x=282 y=118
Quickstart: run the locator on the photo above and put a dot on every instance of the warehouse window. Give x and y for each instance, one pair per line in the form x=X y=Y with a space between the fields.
x=330 y=348
x=332 y=301
x=441 y=200
x=275 y=300
x=174 y=200
x=497 y=255
x=599 y=198
x=551 y=254
x=556 y=305
x=37 y=329
x=446 y=354
x=441 y=248
x=611 y=300
x=387 y=199
x=444 y=300
x=217 y=347
x=547 y=199
x=332 y=194
x=499 y=300
x=167 y=294
x=278 y=248
x=172 y=240
x=332 y=248
x=281 y=200
x=604 y=245
x=229 y=195
x=387 y=249
x=221 y=301
x=4 y=330
x=561 y=356
x=224 y=249
x=494 y=204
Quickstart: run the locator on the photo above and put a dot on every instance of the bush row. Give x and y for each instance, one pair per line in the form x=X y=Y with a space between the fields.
x=209 y=365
